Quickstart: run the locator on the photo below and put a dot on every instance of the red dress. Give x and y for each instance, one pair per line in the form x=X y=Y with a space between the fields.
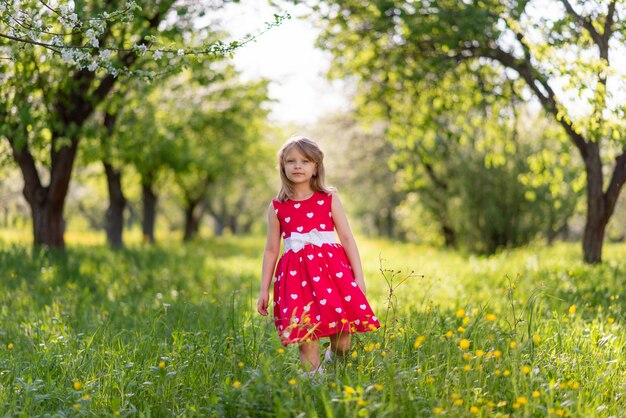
x=315 y=294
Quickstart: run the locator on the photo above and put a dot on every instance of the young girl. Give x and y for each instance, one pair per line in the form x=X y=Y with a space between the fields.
x=319 y=290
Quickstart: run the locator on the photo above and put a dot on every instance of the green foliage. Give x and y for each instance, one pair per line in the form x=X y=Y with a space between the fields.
x=172 y=330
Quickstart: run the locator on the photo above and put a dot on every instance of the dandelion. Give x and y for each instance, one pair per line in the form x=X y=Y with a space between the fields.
x=536 y=339
x=77 y=385
x=458 y=402
x=464 y=344
x=10 y=346
x=572 y=310
x=479 y=353
x=506 y=373
x=512 y=345
x=205 y=293
x=522 y=400
x=236 y=384
x=467 y=356
x=449 y=334
x=610 y=320
x=467 y=368
x=86 y=397
x=161 y=364
x=474 y=410
x=418 y=342
x=240 y=364
x=292 y=381
x=461 y=329
x=349 y=390
x=490 y=317
x=536 y=394
x=525 y=370
x=354 y=354
x=466 y=320
x=378 y=387
x=281 y=351
x=460 y=313
x=438 y=411
x=76 y=406
x=573 y=385
x=497 y=354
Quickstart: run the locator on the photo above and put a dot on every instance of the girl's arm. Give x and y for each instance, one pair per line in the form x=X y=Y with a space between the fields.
x=347 y=241
x=270 y=255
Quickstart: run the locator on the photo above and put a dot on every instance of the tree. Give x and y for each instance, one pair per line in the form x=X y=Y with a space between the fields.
x=560 y=49
x=46 y=98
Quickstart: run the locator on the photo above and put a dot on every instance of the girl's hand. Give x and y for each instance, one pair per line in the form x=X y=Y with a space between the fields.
x=261 y=306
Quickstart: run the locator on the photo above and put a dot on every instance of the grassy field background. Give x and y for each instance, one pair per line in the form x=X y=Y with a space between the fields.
x=172 y=330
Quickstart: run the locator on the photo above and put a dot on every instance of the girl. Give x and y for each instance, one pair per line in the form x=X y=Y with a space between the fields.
x=319 y=290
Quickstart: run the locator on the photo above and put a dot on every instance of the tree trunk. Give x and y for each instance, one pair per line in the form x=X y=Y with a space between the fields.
x=48 y=222
x=149 y=209
x=193 y=214
x=600 y=205
x=114 y=217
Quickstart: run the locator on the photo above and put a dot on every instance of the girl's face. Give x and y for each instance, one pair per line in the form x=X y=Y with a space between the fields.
x=298 y=168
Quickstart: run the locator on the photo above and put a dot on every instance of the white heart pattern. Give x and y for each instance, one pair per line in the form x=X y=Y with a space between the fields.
x=299 y=229
x=287 y=219
x=309 y=215
x=316 y=278
x=293 y=272
x=320 y=202
x=323 y=302
x=362 y=307
x=317 y=317
x=338 y=310
x=294 y=296
x=319 y=254
x=329 y=290
x=303 y=283
x=307 y=308
x=276 y=211
x=297 y=205
x=374 y=318
x=357 y=322
x=339 y=275
x=323 y=226
x=310 y=256
x=353 y=284
x=285 y=310
x=348 y=298
x=332 y=325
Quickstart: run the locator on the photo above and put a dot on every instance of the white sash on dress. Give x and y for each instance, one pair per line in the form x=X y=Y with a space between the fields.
x=297 y=241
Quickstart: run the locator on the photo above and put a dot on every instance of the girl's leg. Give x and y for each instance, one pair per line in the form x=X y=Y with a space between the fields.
x=310 y=355
x=340 y=343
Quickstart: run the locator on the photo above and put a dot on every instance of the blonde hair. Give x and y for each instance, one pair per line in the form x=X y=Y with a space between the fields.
x=310 y=150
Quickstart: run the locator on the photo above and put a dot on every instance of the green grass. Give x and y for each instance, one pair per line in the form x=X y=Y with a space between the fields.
x=172 y=330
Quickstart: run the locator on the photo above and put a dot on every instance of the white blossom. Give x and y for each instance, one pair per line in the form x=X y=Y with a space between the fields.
x=158 y=54
x=181 y=52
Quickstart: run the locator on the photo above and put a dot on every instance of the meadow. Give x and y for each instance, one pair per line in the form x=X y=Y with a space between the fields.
x=172 y=330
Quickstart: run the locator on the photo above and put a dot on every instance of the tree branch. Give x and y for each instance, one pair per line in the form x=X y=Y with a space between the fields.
x=617 y=182
x=597 y=38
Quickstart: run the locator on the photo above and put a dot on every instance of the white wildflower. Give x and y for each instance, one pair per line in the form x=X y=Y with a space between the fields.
x=158 y=54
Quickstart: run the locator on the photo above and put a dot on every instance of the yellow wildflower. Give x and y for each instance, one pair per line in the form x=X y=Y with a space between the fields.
x=281 y=350
x=461 y=329
x=506 y=373
x=522 y=400
x=490 y=317
x=536 y=394
x=449 y=334
x=438 y=411
x=349 y=390
x=474 y=410
x=354 y=354
x=512 y=345
x=464 y=344
x=236 y=384
x=460 y=313
x=240 y=364
x=10 y=346
x=526 y=369
x=418 y=342
x=77 y=385
x=378 y=386
x=610 y=320
x=572 y=310
x=161 y=364
x=479 y=353
x=536 y=339
x=292 y=381
x=458 y=402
